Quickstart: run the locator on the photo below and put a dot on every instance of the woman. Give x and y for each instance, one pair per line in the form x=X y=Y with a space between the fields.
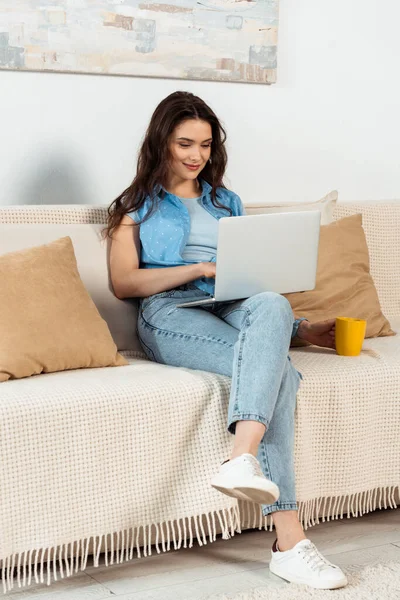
x=164 y=236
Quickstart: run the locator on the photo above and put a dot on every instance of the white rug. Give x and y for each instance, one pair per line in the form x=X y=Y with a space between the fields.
x=376 y=582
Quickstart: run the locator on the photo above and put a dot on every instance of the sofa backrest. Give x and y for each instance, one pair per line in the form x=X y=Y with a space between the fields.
x=381 y=223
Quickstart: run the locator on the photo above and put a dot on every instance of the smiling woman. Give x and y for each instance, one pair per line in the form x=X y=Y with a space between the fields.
x=164 y=231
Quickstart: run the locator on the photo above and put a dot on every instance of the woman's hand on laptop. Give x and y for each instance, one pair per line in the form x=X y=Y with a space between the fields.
x=208 y=269
x=320 y=334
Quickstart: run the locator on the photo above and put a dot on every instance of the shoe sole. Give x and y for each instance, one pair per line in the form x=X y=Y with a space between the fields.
x=251 y=494
x=301 y=580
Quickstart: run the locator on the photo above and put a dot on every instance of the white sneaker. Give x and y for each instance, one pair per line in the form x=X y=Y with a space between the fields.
x=305 y=564
x=242 y=478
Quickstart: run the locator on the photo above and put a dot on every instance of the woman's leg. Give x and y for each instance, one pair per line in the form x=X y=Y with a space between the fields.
x=265 y=324
x=249 y=341
x=265 y=332
x=185 y=337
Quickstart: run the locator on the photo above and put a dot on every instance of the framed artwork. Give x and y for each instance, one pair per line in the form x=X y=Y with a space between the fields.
x=217 y=40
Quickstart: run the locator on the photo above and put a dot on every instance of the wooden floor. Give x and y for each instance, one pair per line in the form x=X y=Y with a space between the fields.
x=225 y=566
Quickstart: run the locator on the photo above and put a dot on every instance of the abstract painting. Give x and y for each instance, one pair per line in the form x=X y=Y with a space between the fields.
x=223 y=40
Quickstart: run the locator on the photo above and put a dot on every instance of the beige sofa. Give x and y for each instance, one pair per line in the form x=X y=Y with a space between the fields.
x=118 y=460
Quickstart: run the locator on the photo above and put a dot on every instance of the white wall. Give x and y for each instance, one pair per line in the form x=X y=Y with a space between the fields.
x=332 y=121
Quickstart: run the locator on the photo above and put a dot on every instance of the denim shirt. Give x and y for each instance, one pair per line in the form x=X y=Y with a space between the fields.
x=164 y=235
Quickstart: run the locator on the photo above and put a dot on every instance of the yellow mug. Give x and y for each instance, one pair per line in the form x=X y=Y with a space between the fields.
x=349 y=335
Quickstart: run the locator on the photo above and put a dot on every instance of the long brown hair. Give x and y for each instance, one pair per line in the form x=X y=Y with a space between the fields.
x=153 y=159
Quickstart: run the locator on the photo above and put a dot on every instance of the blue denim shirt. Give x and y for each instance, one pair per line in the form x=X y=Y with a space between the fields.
x=164 y=235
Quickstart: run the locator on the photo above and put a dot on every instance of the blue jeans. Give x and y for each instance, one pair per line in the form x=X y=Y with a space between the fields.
x=247 y=340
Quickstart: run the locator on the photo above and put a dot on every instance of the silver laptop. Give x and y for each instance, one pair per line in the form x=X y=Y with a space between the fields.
x=265 y=253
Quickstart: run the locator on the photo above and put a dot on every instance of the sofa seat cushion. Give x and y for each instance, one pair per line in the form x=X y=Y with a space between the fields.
x=90 y=451
x=376 y=353
x=344 y=405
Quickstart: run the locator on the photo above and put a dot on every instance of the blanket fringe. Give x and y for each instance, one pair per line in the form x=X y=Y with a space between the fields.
x=121 y=545
x=312 y=512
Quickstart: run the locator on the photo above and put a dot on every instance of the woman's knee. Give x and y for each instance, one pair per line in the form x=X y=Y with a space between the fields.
x=272 y=302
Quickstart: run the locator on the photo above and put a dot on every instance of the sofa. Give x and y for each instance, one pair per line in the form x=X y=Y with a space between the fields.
x=119 y=460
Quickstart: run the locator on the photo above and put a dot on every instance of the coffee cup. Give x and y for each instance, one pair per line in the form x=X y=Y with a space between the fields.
x=349 y=335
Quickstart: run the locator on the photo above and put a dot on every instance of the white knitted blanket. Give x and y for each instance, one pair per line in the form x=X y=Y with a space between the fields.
x=117 y=459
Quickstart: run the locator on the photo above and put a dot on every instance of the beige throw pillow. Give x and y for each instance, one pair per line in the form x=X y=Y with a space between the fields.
x=325 y=206
x=48 y=321
x=344 y=285
x=91 y=253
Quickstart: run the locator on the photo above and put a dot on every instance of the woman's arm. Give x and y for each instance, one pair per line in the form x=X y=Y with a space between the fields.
x=129 y=281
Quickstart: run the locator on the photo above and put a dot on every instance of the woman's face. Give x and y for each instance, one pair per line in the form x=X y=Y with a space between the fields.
x=190 y=148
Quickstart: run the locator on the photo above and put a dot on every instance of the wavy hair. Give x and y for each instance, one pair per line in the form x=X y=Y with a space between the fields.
x=153 y=159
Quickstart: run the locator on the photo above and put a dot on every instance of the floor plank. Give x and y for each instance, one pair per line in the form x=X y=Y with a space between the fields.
x=80 y=586
x=202 y=589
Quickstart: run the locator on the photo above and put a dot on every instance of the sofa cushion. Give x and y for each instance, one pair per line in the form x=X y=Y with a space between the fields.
x=344 y=286
x=347 y=420
x=376 y=354
x=91 y=254
x=92 y=451
x=48 y=322
x=326 y=206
